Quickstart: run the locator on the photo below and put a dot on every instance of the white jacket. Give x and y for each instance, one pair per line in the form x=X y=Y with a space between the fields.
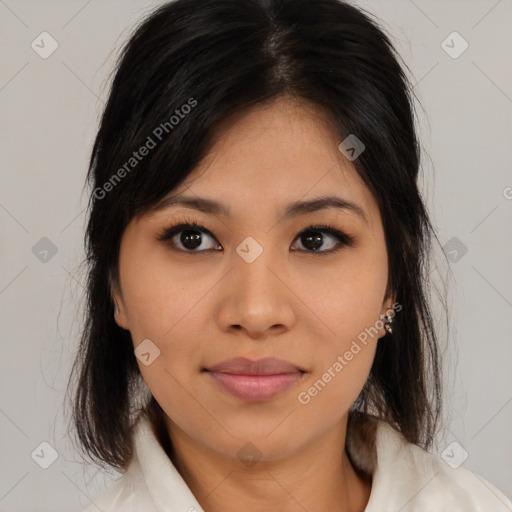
x=405 y=478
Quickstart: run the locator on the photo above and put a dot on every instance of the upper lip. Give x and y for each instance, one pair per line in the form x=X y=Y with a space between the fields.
x=265 y=366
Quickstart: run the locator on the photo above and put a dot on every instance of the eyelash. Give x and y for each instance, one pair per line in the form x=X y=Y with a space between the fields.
x=185 y=224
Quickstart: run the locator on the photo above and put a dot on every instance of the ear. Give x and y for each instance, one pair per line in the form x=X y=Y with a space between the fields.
x=389 y=307
x=120 y=315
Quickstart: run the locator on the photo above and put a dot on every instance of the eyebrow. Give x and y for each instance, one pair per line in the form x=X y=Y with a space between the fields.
x=292 y=210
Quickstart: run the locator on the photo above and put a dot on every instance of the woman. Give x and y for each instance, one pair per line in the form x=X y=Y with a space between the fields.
x=258 y=334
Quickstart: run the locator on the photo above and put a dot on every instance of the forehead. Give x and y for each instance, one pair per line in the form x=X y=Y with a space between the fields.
x=272 y=156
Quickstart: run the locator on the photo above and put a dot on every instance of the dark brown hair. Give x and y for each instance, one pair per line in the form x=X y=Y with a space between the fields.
x=219 y=58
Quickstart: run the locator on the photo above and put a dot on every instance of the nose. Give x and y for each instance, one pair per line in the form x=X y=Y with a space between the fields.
x=256 y=298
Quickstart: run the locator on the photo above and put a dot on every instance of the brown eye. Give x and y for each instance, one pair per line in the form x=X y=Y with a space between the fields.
x=193 y=238
x=189 y=238
x=323 y=239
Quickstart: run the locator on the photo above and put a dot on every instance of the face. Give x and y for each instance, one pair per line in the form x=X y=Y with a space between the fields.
x=305 y=285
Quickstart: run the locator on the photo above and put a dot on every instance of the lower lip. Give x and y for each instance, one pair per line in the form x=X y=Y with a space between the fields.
x=255 y=388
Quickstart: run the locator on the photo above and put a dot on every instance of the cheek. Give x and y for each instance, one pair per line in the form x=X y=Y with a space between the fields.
x=345 y=305
x=332 y=390
x=346 y=349
x=344 y=298
x=160 y=301
x=165 y=308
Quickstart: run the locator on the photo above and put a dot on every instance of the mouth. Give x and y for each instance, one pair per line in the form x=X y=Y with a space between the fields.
x=255 y=381
x=255 y=388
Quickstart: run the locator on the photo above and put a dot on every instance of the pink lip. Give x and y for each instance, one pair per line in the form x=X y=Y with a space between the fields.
x=255 y=381
x=255 y=388
x=264 y=366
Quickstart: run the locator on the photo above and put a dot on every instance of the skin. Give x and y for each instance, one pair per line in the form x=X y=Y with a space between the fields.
x=291 y=302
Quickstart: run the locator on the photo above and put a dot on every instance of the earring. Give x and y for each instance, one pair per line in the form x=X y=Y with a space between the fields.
x=116 y=310
x=388 y=320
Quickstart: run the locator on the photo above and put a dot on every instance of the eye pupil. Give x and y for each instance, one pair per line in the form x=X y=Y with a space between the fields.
x=189 y=235
x=313 y=241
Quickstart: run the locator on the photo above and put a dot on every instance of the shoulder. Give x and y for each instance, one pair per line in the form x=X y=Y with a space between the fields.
x=123 y=495
x=151 y=481
x=408 y=478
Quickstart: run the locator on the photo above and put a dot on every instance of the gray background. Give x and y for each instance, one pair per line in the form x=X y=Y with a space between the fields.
x=50 y=110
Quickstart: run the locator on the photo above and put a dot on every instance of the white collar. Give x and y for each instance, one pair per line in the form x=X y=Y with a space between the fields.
x=405 y=477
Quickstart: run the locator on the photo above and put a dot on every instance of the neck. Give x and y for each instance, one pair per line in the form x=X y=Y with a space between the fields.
x=317 y=477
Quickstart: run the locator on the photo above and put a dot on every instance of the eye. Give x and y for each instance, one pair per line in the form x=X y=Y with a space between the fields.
x=313 y=239
x=189 y=237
